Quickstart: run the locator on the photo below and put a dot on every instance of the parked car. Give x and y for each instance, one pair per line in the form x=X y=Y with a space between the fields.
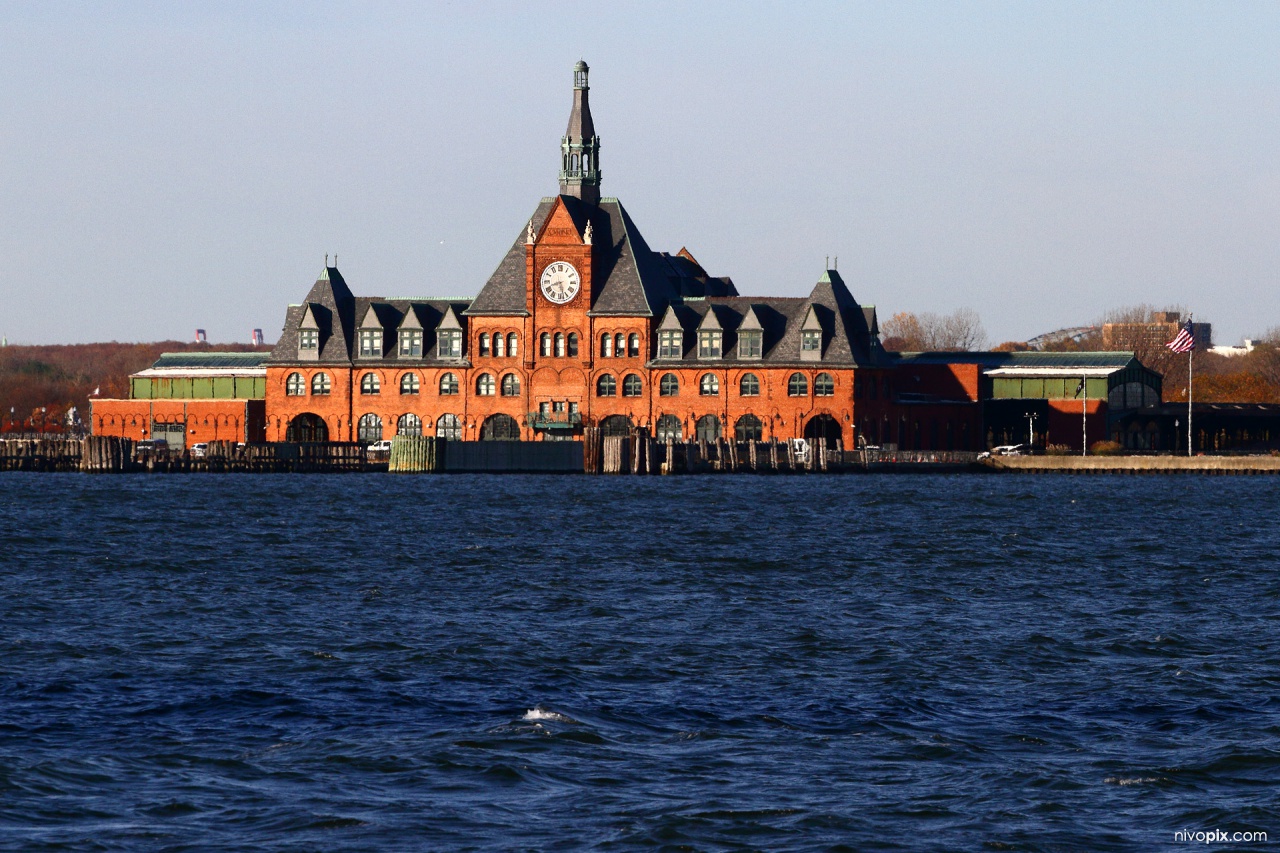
x=151 y=447
x=198 y=451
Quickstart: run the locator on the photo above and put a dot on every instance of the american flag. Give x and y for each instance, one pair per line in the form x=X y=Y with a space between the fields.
x=1185 y=341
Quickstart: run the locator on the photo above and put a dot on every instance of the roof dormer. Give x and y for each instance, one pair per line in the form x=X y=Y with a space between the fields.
x=308 y=335
x=670 y=335
x=410 y=334
x=750 y=336
x=811 y=336
x=371 y=335
x=710 y=337
x=449 y=336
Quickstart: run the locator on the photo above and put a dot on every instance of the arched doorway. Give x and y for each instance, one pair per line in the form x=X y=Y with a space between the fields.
x=307 y=427
x=669 y=428
x=616 y=425
x=708 y=428
x=748 y=428
x=500 y=428
x=824 y=428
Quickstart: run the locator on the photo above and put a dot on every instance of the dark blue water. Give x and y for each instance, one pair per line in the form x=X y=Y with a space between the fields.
x=705 y=663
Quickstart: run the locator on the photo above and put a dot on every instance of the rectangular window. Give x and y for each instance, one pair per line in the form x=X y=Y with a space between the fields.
x=544 y=409
x=709 y=344
x=450 y=343
x=750 y=344
x=811 y=341
x=309 y=339
x=670 y=344
x=370 y=343
x=411 y=342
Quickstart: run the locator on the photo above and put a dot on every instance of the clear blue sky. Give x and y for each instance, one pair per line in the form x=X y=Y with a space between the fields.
x=169 y=166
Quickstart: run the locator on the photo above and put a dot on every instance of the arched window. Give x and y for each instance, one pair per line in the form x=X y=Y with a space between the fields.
x=669 y=428
x=620 y=344
x=573 y=345
x=669 y=386
x=295 y=385
x=499 y=346
x=448 y=385
x=513 y=346
x=824 y=385
x=485 y=386
x=606 y=345
x=708 y=428
x=606 y=386
x=409 y=424
x=510 y=385
x=634 y=345
x=709 y=386
x=370 y=384
x=449 y=427
x=749 y=386
x=484 y=343
x=370 y=428
x=748 y=428
x=632 y=386
x=559 y=344
x=409 y=383
x=797 y=386
x=320 y=384
x=544 y=341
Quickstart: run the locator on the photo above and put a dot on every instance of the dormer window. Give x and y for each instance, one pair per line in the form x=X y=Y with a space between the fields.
x=710 y=344
x=308 y=340
x=449 y=343
x=411 y=342
x=811 y=342
x=751 y=344
x=670 y=344
x=370 y=343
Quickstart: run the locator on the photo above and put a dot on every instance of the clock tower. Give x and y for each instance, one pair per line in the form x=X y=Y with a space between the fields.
x=580 y=147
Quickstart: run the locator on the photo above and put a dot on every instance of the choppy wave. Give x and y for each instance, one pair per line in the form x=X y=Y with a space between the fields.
x=288 y=662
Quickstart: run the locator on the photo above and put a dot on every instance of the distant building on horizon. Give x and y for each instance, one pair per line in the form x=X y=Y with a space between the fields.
x=1158 y=331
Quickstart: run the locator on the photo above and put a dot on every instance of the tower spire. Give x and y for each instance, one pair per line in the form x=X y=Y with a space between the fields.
x=580 y=147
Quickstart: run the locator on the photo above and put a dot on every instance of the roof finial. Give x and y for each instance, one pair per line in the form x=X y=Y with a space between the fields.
x=826 y=262
x=834 y=266
x=326 y=260
x=335 y=259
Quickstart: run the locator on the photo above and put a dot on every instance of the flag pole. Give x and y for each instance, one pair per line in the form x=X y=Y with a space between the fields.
x=1084 y=416
x=1190 y=353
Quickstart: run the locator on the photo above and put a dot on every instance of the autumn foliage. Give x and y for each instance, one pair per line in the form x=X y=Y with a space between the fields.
x=58 y=377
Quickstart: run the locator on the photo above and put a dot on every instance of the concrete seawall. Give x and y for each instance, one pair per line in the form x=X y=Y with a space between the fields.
x=1134 y=464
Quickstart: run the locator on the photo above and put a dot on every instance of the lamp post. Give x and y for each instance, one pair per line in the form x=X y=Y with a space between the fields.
x=42 y=411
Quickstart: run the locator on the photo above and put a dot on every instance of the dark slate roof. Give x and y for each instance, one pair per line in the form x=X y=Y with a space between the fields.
x=337 y=314
x=504 y=292
x=994 y=360
x=846 y=326
x=333 y=306
x=630 y=278
x=634 y=283
x=391 y=312
x=186 y=360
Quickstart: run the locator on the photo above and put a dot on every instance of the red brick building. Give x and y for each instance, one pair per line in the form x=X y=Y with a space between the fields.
x=583 y=323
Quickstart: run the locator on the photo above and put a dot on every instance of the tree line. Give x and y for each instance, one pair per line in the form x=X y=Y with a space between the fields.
x=60 y=377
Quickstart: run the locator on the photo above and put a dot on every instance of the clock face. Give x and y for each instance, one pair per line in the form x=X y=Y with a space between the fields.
x=560 y=282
